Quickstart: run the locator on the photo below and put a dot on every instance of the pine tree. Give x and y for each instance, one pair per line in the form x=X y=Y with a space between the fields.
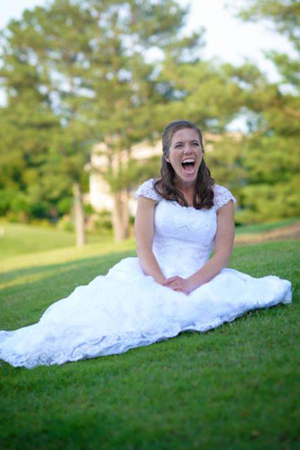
x=27 y=124
x=94 y=67
x=271 y=149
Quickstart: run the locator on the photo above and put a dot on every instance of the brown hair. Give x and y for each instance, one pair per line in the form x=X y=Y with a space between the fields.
x=164 y=186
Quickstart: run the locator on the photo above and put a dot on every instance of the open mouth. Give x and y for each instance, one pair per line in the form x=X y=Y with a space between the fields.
x=188 y=166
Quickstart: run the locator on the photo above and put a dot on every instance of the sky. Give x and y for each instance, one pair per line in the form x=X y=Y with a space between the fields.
x=227 y=38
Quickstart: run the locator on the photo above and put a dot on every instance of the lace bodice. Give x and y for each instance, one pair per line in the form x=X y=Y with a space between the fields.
x=184 y=236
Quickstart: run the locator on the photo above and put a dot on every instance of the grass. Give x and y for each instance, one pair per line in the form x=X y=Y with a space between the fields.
x=17 y=239
x=258 y=228
x=235 y=387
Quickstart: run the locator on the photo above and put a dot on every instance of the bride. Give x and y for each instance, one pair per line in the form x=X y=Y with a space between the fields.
x=172 y=286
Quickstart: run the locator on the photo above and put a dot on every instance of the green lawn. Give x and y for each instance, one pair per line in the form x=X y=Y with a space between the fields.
x=258 y=228
x=232 y=388
x=18 y=239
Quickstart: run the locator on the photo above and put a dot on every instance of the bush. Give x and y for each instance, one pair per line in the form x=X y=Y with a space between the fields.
x=6 y=197
x=64 y=205
x=99 y=222
x=65 y=224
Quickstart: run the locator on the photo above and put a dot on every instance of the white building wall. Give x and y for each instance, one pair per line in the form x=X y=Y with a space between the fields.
x=99 y=196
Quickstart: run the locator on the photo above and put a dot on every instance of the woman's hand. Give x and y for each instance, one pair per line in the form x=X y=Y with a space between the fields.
x=178 y=284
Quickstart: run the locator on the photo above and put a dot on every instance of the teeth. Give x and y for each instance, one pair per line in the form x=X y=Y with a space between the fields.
x=188 y=160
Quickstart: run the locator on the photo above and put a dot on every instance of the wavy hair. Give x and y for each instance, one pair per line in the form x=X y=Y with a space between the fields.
x=165 y=187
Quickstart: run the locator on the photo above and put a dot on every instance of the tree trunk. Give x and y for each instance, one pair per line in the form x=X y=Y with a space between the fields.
x=79 y=216
x=120 y=216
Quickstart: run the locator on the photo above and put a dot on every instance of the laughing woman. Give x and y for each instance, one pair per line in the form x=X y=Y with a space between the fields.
x=172 y=286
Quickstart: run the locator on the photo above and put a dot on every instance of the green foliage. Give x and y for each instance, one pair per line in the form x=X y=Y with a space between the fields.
x=283 y=14
x=263 y=203
x=27 y=125
x=6 y=197
x=284 y=17
x=64 y=205
x=270 y=154
x=101 y=223
x=227 y=161
x=79 y=73
x=203 y=92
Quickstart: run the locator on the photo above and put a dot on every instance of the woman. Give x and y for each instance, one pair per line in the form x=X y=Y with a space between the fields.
x=171 y=287
x=186 y=180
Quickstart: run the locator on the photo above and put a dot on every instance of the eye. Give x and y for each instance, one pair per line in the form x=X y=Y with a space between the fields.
x=178 y=145
x=196 y=143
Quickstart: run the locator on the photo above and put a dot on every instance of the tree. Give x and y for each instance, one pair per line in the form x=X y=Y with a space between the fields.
x=130 y=99
x=33 y=87
x=284 y=17
x=271 y=157
x=92 y=58
x=27 y=123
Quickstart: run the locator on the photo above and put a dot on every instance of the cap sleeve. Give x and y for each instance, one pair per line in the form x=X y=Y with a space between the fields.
x=222 y=196
x=147 y=190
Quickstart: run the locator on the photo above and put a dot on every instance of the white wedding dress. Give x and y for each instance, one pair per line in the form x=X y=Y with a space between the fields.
x=126 y=309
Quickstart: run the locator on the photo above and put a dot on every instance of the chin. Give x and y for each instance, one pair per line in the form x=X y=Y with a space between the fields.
x=190 y=176
x=187 y=178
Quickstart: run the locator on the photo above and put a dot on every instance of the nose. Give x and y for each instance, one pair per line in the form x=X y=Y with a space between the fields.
x=187 y=148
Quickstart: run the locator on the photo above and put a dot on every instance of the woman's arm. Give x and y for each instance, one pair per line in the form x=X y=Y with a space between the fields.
x=222 y=251
x=144 y=235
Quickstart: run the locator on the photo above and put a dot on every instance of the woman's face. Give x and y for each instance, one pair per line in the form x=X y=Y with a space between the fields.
x=185 y=155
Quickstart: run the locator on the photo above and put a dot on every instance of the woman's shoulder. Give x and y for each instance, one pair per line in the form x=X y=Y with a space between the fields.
x=147 y=190
x=222 y=195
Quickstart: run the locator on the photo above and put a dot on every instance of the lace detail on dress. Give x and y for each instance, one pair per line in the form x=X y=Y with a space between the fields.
x=146 y=190
x=222 y=196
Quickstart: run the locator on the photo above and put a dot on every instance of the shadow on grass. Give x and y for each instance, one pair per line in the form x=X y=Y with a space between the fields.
x=67 y=267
